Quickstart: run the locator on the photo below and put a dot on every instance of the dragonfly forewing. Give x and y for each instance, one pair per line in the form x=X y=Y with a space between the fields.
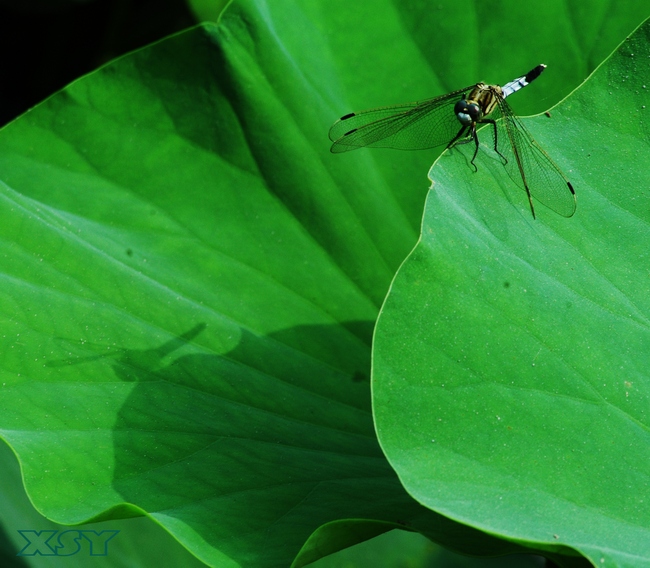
x=413 y=126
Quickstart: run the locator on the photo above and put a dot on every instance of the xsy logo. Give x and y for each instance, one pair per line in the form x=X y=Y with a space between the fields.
x=65 y=543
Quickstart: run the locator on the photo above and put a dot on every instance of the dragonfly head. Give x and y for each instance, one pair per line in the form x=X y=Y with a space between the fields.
x=467 y=113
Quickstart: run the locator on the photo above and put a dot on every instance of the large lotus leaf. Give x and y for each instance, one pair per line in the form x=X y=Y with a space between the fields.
x=511 y=384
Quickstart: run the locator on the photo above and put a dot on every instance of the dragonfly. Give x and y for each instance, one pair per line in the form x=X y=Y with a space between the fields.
x=453 y=119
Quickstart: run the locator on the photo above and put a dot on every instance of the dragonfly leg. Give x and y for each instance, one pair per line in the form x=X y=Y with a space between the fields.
x=530 y=200
x=456 y=139
x=471 y=136
x=496 y=142
x=475 y=137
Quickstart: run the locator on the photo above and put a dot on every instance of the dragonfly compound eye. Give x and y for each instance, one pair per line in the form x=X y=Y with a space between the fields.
x=467 y=113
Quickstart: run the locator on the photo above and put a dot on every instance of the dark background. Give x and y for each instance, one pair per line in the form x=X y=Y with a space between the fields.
x=46 y=44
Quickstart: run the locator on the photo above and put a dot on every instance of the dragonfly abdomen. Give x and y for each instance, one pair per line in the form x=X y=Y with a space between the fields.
x=522 y=82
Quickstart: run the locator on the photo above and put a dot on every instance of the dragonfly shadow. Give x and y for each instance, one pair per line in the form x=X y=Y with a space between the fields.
x=269 y=419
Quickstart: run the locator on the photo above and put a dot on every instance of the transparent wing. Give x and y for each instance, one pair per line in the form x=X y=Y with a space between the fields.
x=412 y=126
x=529 y=166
